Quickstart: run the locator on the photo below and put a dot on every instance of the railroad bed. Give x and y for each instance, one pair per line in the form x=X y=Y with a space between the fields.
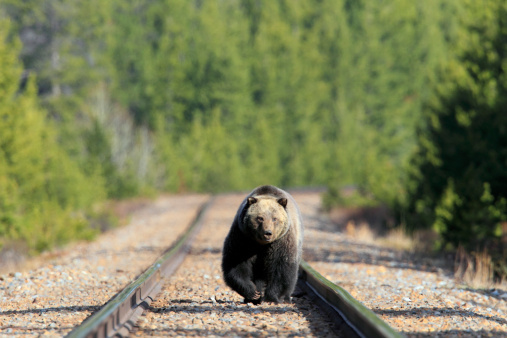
x=60 y=290
x=413 y=297
x=195 y=301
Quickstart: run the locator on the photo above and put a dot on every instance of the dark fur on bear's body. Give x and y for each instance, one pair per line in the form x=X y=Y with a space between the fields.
x=262 y=251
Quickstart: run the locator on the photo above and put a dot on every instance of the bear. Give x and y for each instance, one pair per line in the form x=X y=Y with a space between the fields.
x=263 y=249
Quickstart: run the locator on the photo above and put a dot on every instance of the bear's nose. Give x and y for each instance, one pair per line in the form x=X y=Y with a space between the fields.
x=268 y=233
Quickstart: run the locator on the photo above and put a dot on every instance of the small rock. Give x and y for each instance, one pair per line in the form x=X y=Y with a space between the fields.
x=269 y=327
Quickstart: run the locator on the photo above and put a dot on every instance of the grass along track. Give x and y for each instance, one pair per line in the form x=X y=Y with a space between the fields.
x=415 y=296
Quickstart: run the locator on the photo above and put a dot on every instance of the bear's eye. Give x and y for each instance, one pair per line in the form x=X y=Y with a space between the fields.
x=260 y=219
x=275 y=219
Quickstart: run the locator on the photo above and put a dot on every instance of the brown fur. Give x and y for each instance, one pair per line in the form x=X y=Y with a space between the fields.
x=263 y=249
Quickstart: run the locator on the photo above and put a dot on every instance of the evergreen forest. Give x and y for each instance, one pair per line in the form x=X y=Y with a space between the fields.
x=405 y=100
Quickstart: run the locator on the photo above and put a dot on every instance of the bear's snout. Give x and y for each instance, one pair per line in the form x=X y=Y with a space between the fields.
x=265 y=235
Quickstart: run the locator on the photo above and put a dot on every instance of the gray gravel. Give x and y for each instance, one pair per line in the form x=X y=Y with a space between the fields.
x=57 y=291
x=416 y=295
x=196 y=302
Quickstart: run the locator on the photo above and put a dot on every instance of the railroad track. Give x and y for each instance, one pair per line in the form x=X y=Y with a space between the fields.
x=194 y=300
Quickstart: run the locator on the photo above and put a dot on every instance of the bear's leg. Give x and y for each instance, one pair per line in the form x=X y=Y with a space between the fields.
x=259 y=295
x=281 y=282
x=260 y=285
x=240 y=279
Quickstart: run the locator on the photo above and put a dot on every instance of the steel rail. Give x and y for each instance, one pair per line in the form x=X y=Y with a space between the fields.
x=344 y=310
x=119 y=315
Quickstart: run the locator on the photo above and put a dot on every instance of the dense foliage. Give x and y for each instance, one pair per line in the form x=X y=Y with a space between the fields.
x=399 y=98
x=459 y=181
x=41 y=187
x=218 y=96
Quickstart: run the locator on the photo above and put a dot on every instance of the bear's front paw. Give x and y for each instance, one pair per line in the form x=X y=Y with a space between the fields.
x=256 y=299
x=257 y=295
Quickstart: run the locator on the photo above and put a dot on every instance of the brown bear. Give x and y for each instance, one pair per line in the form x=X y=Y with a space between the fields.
x=262 y=251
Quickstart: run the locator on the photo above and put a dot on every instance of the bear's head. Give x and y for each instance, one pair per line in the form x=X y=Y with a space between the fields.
x=265 y=218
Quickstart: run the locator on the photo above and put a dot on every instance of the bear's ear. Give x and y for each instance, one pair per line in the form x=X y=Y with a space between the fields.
x=282 y=201
x=251 y=200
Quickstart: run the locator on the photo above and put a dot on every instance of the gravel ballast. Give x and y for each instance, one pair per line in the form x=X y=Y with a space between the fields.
x=61 y=289
x=196 y=302
x=416 y=296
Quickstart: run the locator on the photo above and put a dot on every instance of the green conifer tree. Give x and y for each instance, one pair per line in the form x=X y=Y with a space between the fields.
x=43 y=185
x=459 y=181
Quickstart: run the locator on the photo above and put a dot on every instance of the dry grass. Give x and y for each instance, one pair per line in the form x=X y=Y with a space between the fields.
x=474 y=269
x=12 y=254
x=398 y=239
x=361 y=232
x=395 y=238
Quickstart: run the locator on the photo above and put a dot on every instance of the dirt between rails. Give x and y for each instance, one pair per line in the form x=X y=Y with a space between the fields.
x=414 y=294
x=196 y=302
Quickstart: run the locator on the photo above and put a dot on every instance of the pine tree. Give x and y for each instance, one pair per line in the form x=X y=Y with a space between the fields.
x=459 y=179
x=43 y=184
